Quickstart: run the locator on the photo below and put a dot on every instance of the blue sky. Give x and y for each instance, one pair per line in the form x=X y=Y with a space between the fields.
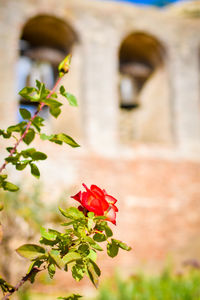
x=151 y=2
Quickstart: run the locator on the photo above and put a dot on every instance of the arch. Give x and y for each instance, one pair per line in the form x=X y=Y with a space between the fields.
x=139 y=55
x=141 y=70
x=45 y=40
x=49 y=32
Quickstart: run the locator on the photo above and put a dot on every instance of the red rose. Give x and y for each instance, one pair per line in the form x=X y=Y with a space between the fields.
x=97 y=201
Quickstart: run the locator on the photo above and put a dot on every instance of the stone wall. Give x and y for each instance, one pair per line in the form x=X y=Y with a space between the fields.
x=155 y=170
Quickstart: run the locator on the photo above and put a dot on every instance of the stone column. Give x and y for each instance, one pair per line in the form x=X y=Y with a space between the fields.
x=100 y=104
x=185 y=82
x=8 y=98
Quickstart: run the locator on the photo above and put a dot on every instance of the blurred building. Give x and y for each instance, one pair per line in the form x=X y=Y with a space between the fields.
x=136 y=74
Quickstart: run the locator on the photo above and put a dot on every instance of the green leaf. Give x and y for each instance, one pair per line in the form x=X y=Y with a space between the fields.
x=12 y=159
x=36 y=263
x=29 y=137
x=71 y=297
x=99 y=237
x=84 y=249
x=112 y=249
x=46 y=242
x=89 y=240
x=5 y=134
x=66 y=139
x=108 y=231
x=55 y=256
x=28 y=152
x=52 y=102
x=122 y=245
x=71 y=256
x=72 y=213
x=93 y=272
x=42 y=91
x=96 y=268
x=78 y=272
x=30 y=251
x=8 y=186
x=16 y=128
x=26 y=115
x=70 y=98
x=97 y=247
x=38 y=122
x=3 y=177
x=21 y=166
x=34 y=170
x=5 y=286
x=38 y=84
x=27 y=92
x=39 y=156
x=47 y=235
x=90 y=223
x=93 y=243
x=45 y=137
x=51 y=270
x=55 y=111
x=92 y=255
x=68 y=223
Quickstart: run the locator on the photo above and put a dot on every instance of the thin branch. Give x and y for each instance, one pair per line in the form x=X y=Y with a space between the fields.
x=29 y=125
x=27 y=277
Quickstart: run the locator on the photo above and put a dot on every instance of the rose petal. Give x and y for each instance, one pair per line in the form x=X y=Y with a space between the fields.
x=111 y=216
x=85 y=186
x=114 y=207
x=98 y=201
x=92 y=203
x=95 y=189
x=110 y=199
x=98 y=193
x=77 y=197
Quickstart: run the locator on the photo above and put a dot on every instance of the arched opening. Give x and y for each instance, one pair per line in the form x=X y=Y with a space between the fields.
x=140 y=54
x=44 y=42
x=141 y=66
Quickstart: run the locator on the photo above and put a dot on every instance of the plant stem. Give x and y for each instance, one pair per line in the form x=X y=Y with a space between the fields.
x=41 y=105
x=27 y=277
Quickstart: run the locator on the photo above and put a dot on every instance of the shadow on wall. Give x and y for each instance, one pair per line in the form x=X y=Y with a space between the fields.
x=45 y=41
x=143 y=90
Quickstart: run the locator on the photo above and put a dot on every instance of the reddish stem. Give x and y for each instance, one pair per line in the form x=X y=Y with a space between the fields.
x=29 y=124
x=27 y=277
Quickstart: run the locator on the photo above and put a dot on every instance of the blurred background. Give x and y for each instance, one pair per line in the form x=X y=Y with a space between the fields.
x=136 y=74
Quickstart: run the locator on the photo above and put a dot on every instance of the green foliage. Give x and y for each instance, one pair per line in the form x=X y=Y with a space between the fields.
x=30 y=93
x=34 y=170
x=27 y=129
x=6 y=185
x=25 y=114
x=63 y=138
x=6 y=135
x=30 y=251
x=5 y=287
x=29 y=137
x=70 y=98
x=74 y=249
x=167 y=286
x=71 y=297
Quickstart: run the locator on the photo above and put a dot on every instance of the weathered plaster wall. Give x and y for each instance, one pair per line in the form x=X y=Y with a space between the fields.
x=157 y=183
